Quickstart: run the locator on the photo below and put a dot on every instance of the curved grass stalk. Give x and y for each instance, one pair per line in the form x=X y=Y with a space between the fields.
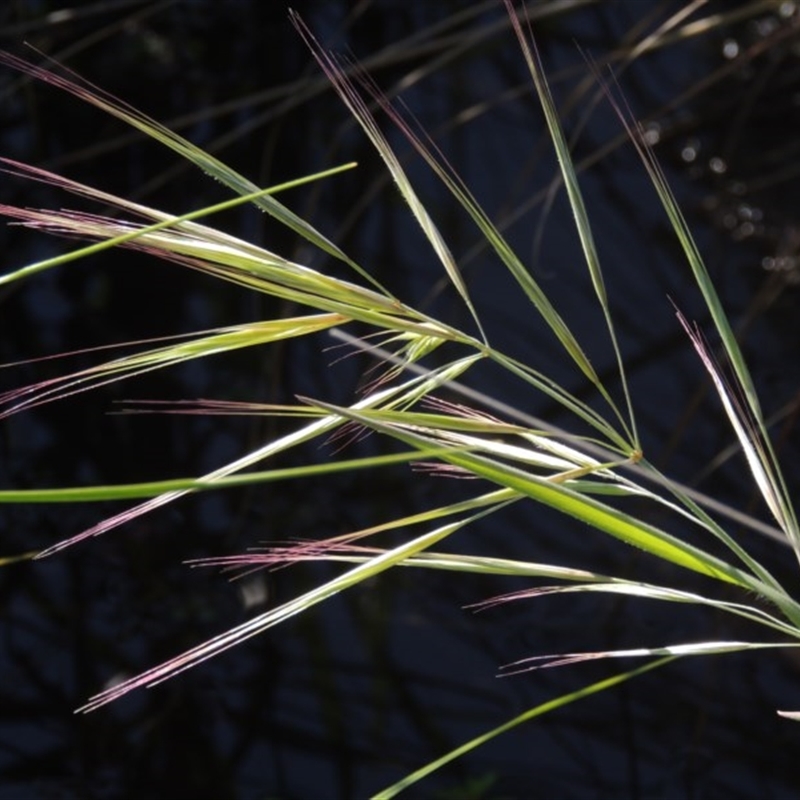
x=133 y=491
x=537 y=711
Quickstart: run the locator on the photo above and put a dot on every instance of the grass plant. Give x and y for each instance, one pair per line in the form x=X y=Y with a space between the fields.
x=595 y=472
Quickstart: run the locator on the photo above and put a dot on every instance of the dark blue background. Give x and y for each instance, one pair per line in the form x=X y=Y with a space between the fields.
x=340 y=702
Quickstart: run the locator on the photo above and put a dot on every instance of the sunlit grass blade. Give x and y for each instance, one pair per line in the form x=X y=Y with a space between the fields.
x=461 y=193
x=751 y=439
x=595 y=474
x=269 y=619
x=615 y=444
x=162 y=221
x=344 y=548
x=361 y=113
x=674 y=650
x=201 y=247
x=79 y=87
x=644 y=591
x=578 y=206
x=777 y=495
x=689 y=508
x=768 y=587
x=406 y=393
x=694 y=501
x=204 y=248
x=470 y=429
x=598 y=515
x=224 y=340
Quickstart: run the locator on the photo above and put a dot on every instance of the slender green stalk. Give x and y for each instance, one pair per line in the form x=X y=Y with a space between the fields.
x=532 y=713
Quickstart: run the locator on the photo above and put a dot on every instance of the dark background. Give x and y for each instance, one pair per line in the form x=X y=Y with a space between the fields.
x=342 y=701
